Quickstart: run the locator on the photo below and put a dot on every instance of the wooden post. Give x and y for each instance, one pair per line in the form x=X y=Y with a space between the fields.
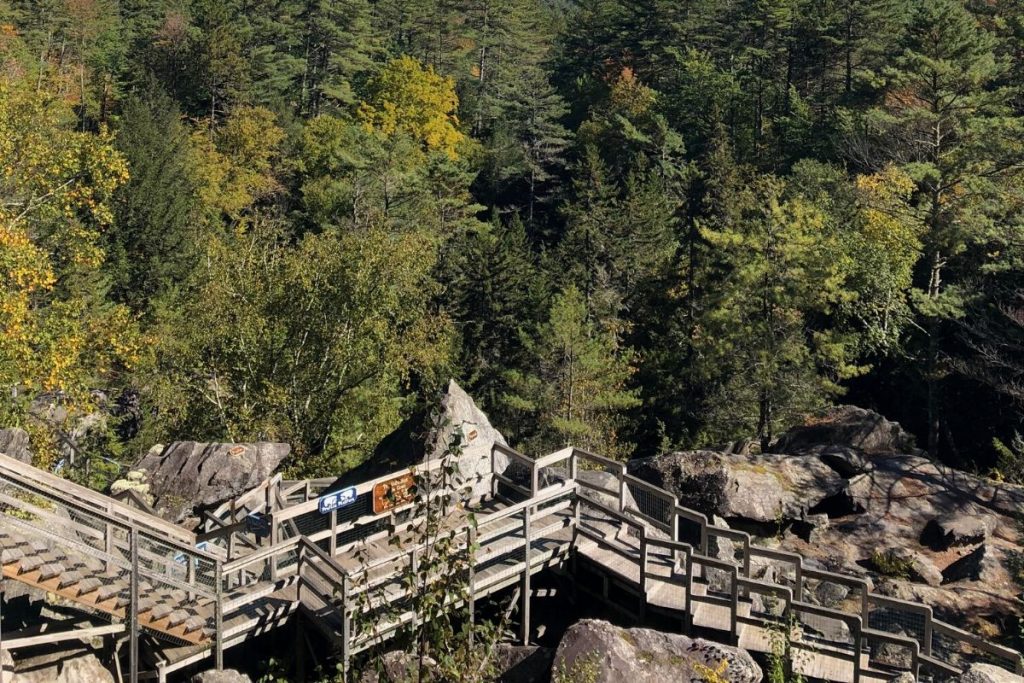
x=622 y=488
x=471 y=598
x=273 y=541
x=643 y=574
x=133 y=606
x=334 y=532
x=346 y=630
x=218 y=619
x=798 y=589
x=524 y=612
x=858 y=645
x=688 y=603
x=926 y=646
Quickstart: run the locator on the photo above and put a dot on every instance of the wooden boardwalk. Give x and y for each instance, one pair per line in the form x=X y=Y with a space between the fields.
x=272 y=554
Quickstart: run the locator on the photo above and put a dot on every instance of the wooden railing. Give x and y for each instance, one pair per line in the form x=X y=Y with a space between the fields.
x=540 y=496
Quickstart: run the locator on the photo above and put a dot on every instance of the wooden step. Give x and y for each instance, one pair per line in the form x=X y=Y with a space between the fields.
x=88 y=585
x=160 y=611
x=30 y=563
x=177 y=617
x=10 y=555
x=50 y=570
x=69 y=579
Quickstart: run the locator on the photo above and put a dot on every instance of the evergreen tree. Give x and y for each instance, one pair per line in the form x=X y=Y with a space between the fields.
x=574 y=390
x=494 y=289
x=152 y=241
x=948 y=122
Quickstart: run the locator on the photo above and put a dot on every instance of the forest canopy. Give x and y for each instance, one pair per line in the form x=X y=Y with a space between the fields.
x=629 y=225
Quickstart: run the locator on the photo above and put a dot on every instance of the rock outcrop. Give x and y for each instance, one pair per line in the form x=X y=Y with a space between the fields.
x=14 y=444
x=844 y=488
x=75 y=667
x=224 y=676
x=416 y=442
x=986 y=673
x=757 y=488
x=188 y=476
x=850 y=426
x=637 y=655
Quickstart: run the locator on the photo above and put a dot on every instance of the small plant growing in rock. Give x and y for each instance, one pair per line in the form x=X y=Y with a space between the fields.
x=709 y=675
x=888 y=564
x=585 y=669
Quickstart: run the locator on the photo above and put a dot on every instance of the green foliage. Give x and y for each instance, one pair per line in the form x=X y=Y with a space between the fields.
x=584 y=669
x=1010 y=462
x=309 y=212
x=574 y=388
x=443 y=641
x=888 y=564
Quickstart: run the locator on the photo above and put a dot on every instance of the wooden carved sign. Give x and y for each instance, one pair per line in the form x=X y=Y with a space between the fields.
x=393 y=493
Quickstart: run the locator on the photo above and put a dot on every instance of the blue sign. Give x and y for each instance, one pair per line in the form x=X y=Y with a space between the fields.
x=258 y=524
x=338 y=499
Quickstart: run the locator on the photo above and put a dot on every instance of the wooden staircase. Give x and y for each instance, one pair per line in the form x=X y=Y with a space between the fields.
x=89 y=583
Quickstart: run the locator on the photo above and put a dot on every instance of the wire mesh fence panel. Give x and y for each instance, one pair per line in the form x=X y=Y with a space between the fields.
x=898 y=620
x=521 y=476
x=950 y=650
x=654 y=505
x=824 y=628
x=765 y=605
x=725 y=546
x=885 y=653
x=832 y=594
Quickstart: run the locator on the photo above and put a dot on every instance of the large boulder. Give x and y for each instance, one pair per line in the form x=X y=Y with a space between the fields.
x=188 y=476
x=76 y=667
x=988 y=673
x=416 y=442
x=758 y=488
x=697 y=478
x=846 y=425
x=600 y=652
x=222 y=676
x=14 y=444
x=958 y=528
x=523 y=663
x=983 y=564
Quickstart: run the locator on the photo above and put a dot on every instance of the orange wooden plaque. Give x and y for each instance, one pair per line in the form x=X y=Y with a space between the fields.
x=393 y=493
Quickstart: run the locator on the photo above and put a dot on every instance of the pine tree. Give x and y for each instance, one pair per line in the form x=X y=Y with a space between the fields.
x=779 y=266
x=948 y=122
x=151 y=242
x=575 y=389
x=494 y=291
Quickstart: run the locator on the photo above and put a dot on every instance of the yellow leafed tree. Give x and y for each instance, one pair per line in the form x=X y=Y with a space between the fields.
x=408 y=98
x=57 y=333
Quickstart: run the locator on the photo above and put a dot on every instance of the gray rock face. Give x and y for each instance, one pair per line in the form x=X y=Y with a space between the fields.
x=407 y=446
x=523 y=663
x=919 y=567
x=987 y=673
x=846 y=425
x=847 y=461
x=14 y=444
x=478 y=438
x=639 y=655
x=958 y=528
x=982 y=564
x=81 y=668
x=186 y=475
x=698 y=478
x=760 y=488
x=225 y=676
x=398 y=667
